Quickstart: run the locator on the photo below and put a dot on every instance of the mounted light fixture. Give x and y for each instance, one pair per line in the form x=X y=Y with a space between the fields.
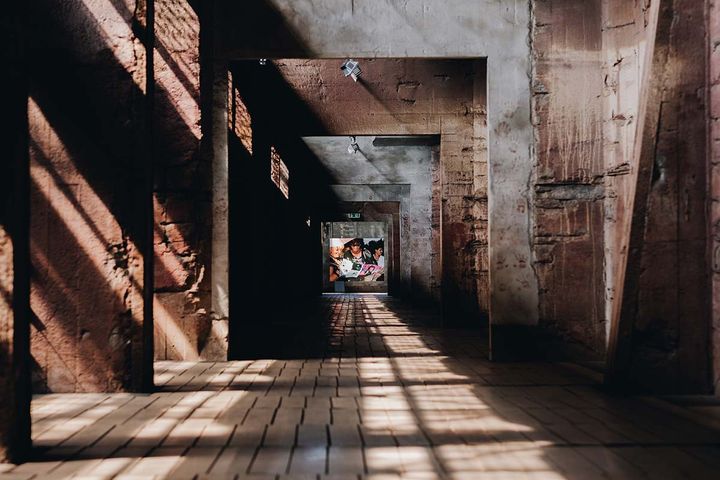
x=353 y=147
x=263 y=61
x=351 y=68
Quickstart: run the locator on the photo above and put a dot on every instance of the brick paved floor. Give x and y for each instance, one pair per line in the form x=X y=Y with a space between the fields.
x=388 y=398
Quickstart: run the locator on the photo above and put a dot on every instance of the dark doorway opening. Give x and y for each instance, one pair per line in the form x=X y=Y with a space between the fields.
x=357 y=253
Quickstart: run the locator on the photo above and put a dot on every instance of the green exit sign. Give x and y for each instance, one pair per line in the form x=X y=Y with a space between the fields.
x=353 y=216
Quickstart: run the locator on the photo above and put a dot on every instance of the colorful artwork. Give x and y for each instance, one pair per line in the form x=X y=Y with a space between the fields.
x=357 y=259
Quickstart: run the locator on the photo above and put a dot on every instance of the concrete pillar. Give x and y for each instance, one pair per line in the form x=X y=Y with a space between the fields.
x=14 y=263
x=219 y=156
x=214 y=107
x=513 y=283
x=713 y=166
x=89 y=192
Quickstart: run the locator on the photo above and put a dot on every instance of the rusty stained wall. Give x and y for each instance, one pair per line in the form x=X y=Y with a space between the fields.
x=624 y=25
x=569 y=180
x=586 y=88
x=445 y=97
x=86 y=117
x=714 y=184
x=671 y=323
x=671 y=328
x=183 y=200
x=714 y=181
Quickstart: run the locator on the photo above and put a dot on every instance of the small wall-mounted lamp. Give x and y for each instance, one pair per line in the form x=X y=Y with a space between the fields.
x=351 y=68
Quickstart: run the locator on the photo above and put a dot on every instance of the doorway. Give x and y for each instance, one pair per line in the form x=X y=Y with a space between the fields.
x=357 y=256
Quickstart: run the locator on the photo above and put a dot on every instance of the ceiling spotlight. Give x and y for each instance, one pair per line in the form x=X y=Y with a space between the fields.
x=263 y=61
x=353 y=147
x=351 y=68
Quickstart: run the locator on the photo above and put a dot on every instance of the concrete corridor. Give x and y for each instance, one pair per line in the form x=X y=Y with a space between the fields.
x=390 y=397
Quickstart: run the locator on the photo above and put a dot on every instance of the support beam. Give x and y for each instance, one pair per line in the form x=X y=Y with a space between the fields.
x=14 y=258
x=219 y=155
x=214 y=104
x=148 y=181
x=632 y=209
x=713 y=167
x=513 y=283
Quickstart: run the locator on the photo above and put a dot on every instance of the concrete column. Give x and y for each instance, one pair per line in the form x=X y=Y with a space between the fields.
x=14 y=305
x=713 y=166
x=513 y=283
x=214 y=145
x=220 y=175
x=14 y=261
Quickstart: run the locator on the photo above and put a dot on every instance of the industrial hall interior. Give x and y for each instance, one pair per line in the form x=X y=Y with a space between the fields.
x=360 y=239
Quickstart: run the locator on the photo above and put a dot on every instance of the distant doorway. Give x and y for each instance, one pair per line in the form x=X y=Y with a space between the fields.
x=356 y=257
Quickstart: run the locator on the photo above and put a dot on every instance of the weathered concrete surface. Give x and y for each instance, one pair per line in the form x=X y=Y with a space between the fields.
x=714 y=184
x=369 y=175
x=569 y=187
x=89 y=223
x=670 y=318
x=673 y=315
x=218 y=135
x=184 y=312
x=497 y=30
x=14 y=265
x=628 y=31
x=624 y=43
x=8 y=354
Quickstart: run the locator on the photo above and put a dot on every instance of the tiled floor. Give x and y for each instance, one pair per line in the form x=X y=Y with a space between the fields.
x=388 y=399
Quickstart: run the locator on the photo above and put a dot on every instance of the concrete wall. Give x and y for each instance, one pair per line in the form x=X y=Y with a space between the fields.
x=89 y=196
x=569 y=178
x=369 y=175
x=497 y=30
x=671 y=316
x=588 y=64
x=14 y=264
x=185 y=326
x=624 y=44
x=714 y=185
x=95 y=129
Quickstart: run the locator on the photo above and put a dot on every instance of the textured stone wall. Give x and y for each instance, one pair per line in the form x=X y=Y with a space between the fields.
x=624 y=44
x=714 y=184
x=183 y=199
x=672 y=323
x=670 y=316
x=89 y=200
x=588 y=64
x=569 y=179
